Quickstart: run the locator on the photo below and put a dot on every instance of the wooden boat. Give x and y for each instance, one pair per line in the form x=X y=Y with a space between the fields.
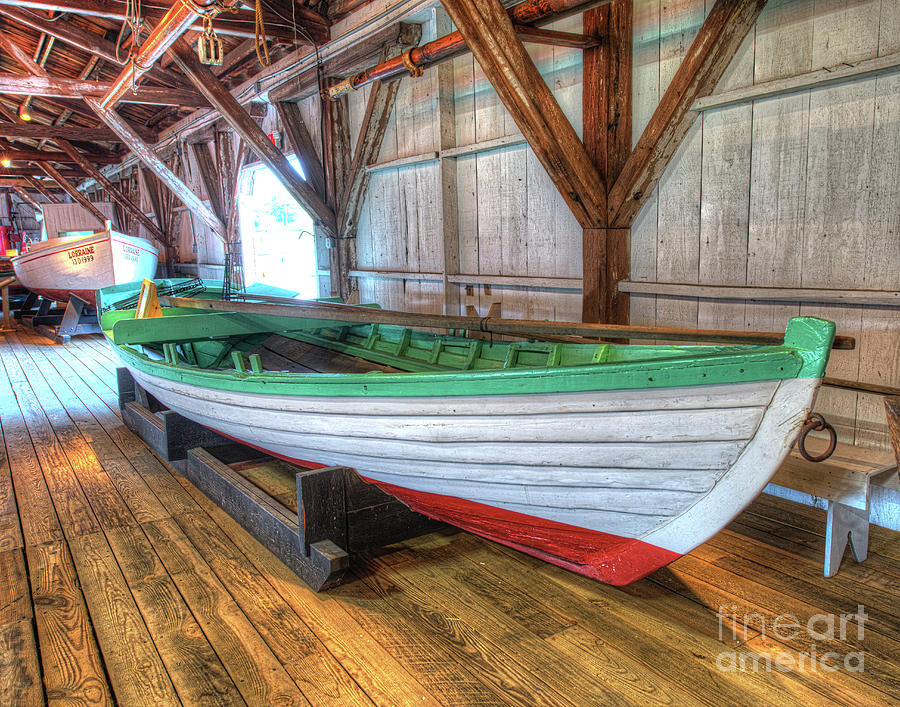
x=610 y=460
x=80 y=265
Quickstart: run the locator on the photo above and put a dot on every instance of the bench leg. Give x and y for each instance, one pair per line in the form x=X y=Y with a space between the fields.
x=845 y=522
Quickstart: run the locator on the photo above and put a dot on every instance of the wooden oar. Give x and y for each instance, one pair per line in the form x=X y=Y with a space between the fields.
x=519 y=327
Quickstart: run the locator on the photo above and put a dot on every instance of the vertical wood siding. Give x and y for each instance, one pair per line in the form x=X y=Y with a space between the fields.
x=796 y=191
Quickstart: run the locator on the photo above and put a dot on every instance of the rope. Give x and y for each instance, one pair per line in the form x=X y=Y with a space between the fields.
x=261 y=36
x=132 y=21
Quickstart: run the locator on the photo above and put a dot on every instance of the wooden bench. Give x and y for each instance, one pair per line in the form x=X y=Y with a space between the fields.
x=844 y=482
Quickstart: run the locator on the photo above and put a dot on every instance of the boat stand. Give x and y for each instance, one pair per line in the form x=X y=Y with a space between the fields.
x=337 y=513
x=59 y=325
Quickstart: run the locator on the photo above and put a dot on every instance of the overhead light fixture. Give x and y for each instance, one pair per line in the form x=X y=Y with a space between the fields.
x=24 y=112
x=5 y=161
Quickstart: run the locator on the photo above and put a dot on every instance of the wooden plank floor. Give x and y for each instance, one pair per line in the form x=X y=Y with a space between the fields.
x=120 y=583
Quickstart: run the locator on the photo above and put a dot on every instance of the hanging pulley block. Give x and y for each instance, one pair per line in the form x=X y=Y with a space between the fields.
x=209 y=46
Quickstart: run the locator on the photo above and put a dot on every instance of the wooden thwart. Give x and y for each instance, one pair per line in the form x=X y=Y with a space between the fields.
x=521 y=327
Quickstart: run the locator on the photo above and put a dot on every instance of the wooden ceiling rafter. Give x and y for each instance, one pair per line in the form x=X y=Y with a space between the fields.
x=239 y=24
x=70 y=189
x=75 y=36
x=40 y=189
x=27 y=197
x=606 y=121
x=111 y=189
x=146 y=154
x=234 y=114
x=57 y=87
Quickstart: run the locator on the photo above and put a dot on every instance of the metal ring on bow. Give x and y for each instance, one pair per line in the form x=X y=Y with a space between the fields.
x=814 y=421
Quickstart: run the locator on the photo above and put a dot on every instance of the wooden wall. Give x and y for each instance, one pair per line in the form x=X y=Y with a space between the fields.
x=797 y=191
x=510 y=220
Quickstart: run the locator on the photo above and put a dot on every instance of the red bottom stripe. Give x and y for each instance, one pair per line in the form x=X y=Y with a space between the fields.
x=611 y=559
x=608 y=558
x=63 y=295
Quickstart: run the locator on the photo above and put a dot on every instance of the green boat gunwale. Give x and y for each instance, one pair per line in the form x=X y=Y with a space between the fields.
x=803 y=355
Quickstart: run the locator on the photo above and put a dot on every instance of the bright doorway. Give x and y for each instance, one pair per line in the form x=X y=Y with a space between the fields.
x=276 y=234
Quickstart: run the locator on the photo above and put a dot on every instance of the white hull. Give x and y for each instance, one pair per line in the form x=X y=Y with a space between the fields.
x=669 y=467
x=80 y=265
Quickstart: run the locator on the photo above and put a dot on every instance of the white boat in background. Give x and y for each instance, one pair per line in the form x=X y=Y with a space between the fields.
x=80 y=265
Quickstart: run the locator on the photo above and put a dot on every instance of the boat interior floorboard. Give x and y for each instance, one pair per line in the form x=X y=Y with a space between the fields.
x=282 y=353
x=120 y=583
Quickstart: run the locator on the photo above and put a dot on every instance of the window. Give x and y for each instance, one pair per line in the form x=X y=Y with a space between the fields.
x=276 y=234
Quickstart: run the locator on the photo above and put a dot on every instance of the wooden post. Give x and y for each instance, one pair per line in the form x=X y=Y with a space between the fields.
x=337 y=169
x=210 y=178
x=302 y=144
x=709 y=55
x=448 y=180
x=606 y=101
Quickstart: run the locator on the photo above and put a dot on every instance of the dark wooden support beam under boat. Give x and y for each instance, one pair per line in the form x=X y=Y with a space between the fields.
x=133 y=210
x=146 y=154
x=709 y=55
x=606 y=110
x=73 y=192
x=489 y=34
x=298 y=136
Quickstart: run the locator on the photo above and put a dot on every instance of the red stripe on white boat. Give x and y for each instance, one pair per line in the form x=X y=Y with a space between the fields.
x=609 y=558
x=63 y=295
